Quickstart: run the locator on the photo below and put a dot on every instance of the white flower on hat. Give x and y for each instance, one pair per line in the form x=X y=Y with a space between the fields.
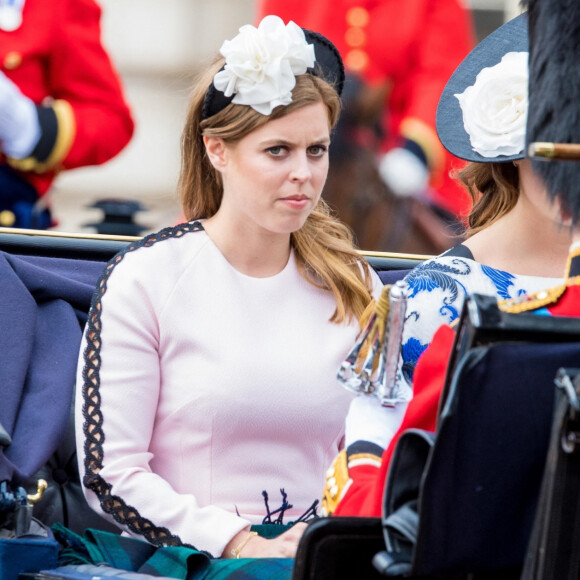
x=262 y=64
x=495 y=107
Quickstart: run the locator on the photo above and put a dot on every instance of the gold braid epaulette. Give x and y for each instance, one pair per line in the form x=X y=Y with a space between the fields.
x=543 y=297
x=533 y=301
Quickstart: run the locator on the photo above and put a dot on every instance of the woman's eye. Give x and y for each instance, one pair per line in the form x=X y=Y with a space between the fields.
x=317 y=150
x=276 y=150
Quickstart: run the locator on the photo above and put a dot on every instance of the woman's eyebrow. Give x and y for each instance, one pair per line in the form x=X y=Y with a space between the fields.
x=283 y=141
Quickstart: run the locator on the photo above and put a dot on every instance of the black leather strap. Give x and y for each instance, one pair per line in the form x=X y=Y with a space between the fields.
x=405 y=521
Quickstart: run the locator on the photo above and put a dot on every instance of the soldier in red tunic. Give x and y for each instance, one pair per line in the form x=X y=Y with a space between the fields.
x=406 y=51
x=61 y=101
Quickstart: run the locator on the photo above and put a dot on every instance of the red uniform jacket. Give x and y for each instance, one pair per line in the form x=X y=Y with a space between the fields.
x=364 y=496
x=410 y=46
x=56 y=58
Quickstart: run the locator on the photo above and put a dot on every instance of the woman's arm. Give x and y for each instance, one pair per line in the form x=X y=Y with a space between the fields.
x=118 y=393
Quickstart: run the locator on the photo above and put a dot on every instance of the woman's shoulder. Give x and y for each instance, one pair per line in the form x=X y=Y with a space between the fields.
x=458 y=272
x=158 y=253
x=453 y=264
x=167 y=240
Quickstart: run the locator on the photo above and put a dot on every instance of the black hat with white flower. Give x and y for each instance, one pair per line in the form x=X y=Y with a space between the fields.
x=482 y=111
x=261 y=65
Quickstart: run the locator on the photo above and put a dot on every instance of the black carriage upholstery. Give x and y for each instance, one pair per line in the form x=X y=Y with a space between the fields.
x=340 y=548
x=71 y=266
x=479 y=495
x=481 y=482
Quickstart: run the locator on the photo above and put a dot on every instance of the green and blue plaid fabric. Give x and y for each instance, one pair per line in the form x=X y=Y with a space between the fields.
x=98 y=547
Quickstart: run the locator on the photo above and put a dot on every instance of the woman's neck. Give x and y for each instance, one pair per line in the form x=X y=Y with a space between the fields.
x=250 y=251
x=523 y=242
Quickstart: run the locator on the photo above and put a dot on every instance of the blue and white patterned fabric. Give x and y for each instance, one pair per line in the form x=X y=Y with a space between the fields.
x=437 y=290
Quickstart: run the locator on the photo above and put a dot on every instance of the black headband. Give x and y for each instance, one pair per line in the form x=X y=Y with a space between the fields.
x=328 y=66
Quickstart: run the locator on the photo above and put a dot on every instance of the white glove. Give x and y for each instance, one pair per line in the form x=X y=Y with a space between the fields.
x=403 y=172
x=19 y=125
x=368 y=420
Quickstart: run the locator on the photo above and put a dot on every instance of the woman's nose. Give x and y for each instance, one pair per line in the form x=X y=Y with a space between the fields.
x=301 y=170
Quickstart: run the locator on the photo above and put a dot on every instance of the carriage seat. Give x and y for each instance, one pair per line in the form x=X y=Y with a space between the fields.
x=43 y=310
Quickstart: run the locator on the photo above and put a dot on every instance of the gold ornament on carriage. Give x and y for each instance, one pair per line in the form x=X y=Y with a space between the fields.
x=370 y=367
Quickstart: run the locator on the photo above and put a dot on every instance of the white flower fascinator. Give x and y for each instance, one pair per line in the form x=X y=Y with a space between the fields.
x=262 y=65
x=495 y=107
x=483 y=109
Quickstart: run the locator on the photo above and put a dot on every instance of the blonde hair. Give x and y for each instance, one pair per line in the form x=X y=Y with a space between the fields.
x=494 y=189
x=324 y=247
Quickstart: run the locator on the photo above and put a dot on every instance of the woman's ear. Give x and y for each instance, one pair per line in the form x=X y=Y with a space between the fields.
x=216 y=152
x=565 y=214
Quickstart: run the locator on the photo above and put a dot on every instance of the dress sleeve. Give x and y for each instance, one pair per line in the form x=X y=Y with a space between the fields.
x=118 y=390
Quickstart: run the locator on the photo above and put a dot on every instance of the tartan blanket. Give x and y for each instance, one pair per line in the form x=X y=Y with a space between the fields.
x=99 y=547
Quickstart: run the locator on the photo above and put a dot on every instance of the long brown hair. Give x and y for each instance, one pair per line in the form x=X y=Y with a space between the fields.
x=494 y=191
x=324 y=246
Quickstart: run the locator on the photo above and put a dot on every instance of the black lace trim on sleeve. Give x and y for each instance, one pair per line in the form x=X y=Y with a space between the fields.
x=93 y=418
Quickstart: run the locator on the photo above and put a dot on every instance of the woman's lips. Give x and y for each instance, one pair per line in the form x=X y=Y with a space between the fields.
x=296 y=201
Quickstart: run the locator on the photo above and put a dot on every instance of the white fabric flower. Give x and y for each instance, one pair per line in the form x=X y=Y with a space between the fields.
x=262 y=64
x=495 y=107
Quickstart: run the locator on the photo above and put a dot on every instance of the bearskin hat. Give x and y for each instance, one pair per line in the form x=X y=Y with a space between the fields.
x=554 y=92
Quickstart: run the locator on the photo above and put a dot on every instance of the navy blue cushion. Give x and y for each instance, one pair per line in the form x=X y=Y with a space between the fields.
x=391 y=276
x=42 y=311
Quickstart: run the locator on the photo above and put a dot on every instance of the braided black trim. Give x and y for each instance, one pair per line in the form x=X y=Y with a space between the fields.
x=93 y=418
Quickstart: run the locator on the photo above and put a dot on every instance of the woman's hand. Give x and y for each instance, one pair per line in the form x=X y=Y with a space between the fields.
x=283 y=546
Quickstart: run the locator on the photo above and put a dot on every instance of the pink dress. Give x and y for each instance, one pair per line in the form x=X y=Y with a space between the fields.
x=212 y=386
